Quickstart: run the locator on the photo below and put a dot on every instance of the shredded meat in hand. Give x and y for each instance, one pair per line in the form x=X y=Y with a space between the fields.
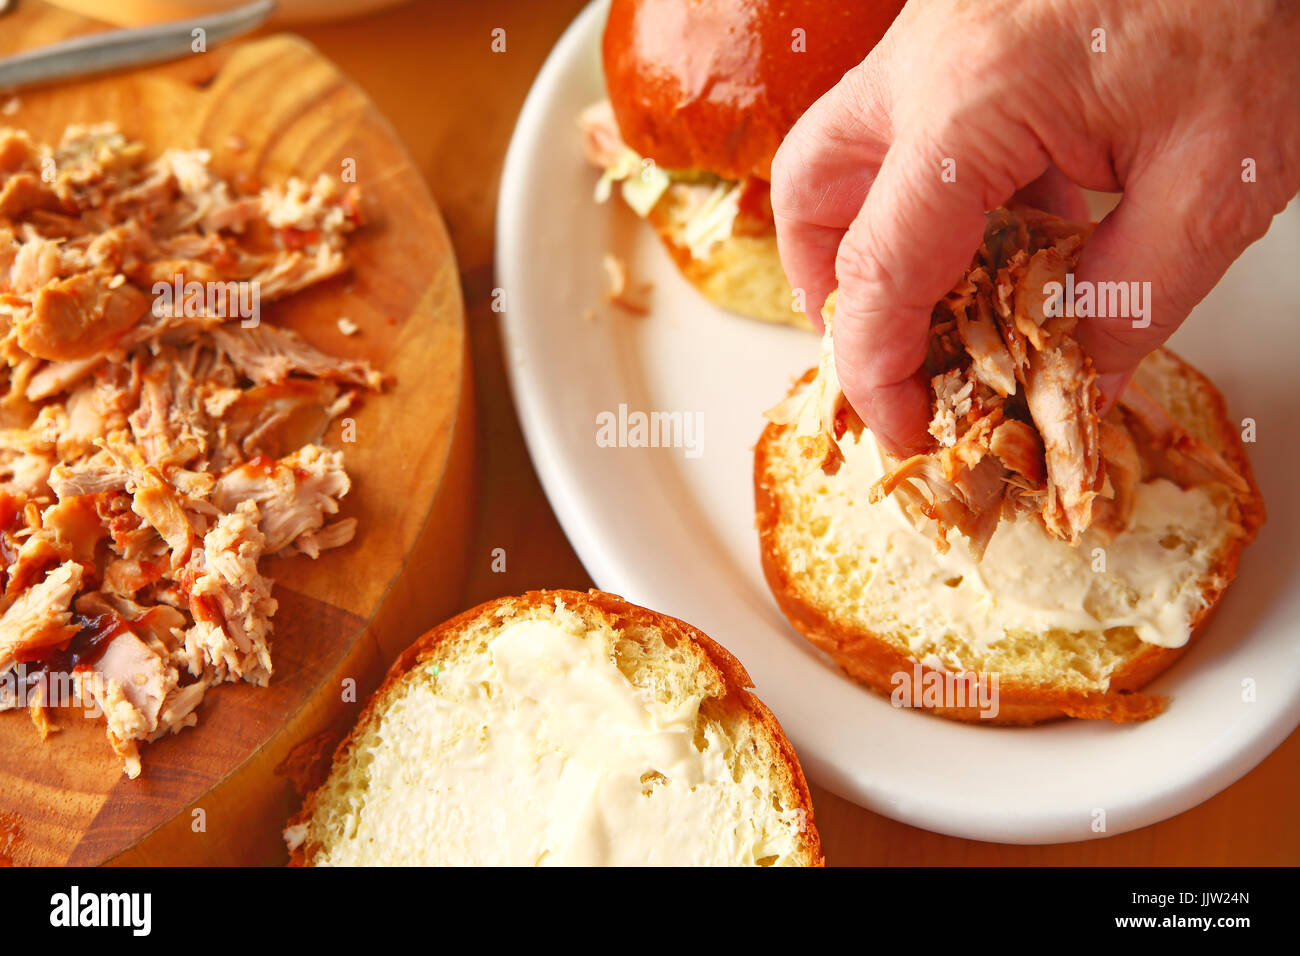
x=1015 y=409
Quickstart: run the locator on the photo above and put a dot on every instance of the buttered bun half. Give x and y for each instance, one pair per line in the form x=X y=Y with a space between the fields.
x=1045 y=557
x=707 y=90
x=1061 y=626
x=561 y=728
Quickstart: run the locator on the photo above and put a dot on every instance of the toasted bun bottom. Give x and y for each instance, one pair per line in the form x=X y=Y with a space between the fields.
x=742 y=274
x=660 y=655
x=876 y=658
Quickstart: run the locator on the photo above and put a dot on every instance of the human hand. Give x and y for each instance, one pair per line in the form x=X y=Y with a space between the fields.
x=1192 y=109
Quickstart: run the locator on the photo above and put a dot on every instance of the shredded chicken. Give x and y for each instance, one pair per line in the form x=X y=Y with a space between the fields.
x=155 y=445
x=1015 y=408
x=627 y=296
x=748 y=210
x=601 y=141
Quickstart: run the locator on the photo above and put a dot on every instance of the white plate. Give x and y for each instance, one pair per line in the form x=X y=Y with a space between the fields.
x=676 y=533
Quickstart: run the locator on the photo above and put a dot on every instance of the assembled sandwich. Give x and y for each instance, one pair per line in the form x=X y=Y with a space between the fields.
x=701 y=93
x=1067 y=555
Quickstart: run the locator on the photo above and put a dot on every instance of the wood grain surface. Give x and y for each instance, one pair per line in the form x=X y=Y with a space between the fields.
x=429 y=67
x=267 y=109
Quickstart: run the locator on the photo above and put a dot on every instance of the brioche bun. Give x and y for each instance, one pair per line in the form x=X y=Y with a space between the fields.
x=741 y=273
x=558 y=728
x=878 y=616
x=714 y=85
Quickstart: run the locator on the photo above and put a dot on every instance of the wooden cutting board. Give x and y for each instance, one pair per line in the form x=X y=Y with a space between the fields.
x=220 y=792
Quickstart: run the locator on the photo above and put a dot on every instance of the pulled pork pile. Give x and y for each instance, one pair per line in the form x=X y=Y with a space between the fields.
x=154 y=449
x=1015 y=406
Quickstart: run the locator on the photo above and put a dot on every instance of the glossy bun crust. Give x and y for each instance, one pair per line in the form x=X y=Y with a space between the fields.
x=715 y=85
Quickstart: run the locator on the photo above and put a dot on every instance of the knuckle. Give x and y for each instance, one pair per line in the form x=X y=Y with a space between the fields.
x=866 y=87
x=1223 y=222
x=786 y=192
x=862 y=262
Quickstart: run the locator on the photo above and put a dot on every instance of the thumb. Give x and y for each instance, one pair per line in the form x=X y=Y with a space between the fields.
x=922 y=221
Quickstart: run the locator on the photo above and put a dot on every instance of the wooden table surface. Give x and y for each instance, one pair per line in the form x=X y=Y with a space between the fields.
x=430 y=68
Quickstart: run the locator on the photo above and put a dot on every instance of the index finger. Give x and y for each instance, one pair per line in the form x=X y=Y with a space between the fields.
x=821 y=176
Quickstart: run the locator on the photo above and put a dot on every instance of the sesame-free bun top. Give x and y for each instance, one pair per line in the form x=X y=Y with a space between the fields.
x=714 y=85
